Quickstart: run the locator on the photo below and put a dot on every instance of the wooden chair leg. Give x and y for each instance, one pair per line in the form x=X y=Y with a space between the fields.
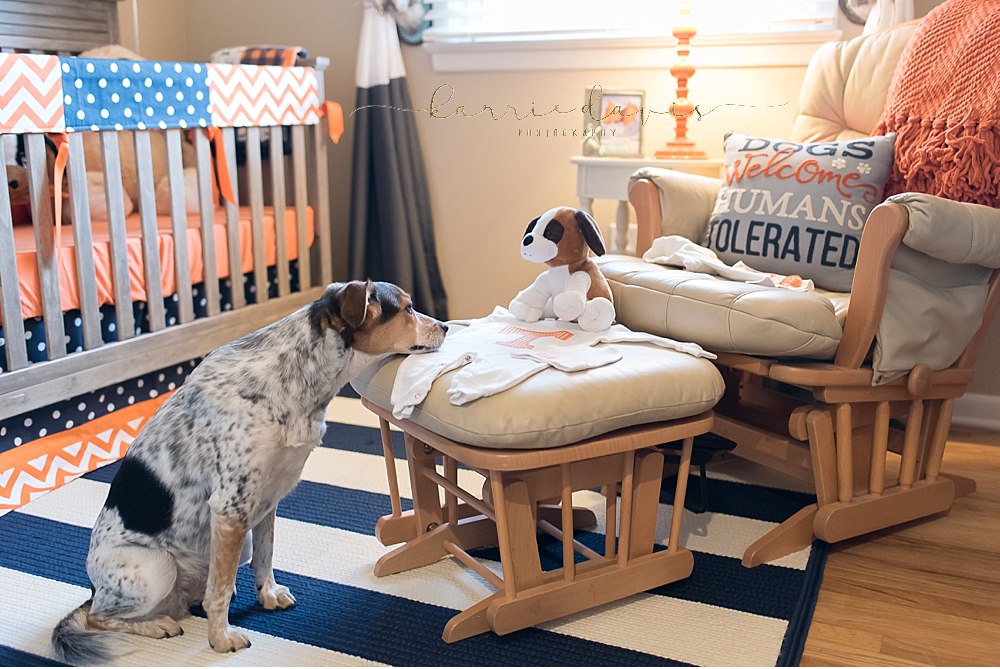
x=823 y=452
x=796 y=532
x=789 y=537
x=845 y=453
x=880 y=446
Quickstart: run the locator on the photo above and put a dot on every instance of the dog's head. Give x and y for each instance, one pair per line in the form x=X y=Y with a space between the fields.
x=375 y=318
x=561 y=236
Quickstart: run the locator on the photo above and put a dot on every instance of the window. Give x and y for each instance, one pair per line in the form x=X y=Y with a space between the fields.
x=476 y=21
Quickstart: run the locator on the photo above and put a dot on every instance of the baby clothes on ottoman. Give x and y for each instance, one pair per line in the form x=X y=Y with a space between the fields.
x=499 y=351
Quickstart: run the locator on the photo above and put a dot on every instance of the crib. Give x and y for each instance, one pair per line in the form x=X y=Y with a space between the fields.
x=86 y=302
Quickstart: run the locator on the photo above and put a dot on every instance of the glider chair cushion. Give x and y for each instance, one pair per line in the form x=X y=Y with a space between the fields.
x=723 y=315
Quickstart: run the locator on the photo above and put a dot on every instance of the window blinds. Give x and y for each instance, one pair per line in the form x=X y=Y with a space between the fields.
x=524 y=20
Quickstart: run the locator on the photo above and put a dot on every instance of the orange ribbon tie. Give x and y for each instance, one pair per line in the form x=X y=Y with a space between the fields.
x=334 y=114
x=62 y=156
x=221 y=164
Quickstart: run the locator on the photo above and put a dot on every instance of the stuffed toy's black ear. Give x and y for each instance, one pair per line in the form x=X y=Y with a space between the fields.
x=354 y=302
x=591 y=233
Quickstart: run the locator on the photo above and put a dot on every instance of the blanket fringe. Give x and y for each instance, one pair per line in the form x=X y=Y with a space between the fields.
x=958 y=161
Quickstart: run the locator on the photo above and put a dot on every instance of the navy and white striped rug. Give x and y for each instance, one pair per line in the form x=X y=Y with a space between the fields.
x=325 y=549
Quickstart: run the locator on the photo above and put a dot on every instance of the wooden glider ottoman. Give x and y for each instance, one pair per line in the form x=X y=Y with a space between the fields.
x=536 y=443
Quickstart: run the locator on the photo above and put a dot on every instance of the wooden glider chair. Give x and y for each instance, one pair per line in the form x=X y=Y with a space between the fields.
x=799 y=395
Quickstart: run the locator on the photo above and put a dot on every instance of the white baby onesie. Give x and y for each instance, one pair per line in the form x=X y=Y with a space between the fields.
x=499 y=351
x=678 y=251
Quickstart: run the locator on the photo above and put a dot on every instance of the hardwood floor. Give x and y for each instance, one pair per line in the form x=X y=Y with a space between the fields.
x=925 y=594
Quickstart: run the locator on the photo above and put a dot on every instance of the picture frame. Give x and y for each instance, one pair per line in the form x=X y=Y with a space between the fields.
x=613 y=122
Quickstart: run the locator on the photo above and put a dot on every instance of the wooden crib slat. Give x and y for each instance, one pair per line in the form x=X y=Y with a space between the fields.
x=45 y=250
x=113 y=192
x=301 y=203
x=277 y=156
x=206 y=207
x=178 y=217
x=83 y=240
x=150 y=237
x=255 y=186
x=10 y=300
x=233 y=222
x=321 y=216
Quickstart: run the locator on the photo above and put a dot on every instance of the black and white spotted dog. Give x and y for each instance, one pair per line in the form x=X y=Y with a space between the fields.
x=199 y=485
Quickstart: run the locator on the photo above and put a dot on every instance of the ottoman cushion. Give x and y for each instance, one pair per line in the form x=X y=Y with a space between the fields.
x=721 y=315
x=553 y=408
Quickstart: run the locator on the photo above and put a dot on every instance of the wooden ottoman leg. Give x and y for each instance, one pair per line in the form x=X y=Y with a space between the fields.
x=680 y=493
x=583 y=518
x=647 y=479
x=599 y=580
x=522 y=568
x=396 y=527
x=428 y=546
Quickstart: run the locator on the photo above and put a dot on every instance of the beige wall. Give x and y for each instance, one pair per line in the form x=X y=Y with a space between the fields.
x=162 y=28
x=489 y=178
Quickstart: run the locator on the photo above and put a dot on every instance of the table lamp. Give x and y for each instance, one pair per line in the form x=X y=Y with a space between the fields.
x=680 y=147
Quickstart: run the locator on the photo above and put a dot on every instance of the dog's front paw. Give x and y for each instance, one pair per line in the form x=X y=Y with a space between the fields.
x=229 y=640
x=598 y=315
x=525 y=312
x=569 y=305
x=276 y=597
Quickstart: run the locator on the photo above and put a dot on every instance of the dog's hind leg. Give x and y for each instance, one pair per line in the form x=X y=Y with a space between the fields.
x=133 y=591
x=270 y=595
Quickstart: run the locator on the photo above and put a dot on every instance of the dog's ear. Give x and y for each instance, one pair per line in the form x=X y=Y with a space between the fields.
x=591 y=233
x=353 y=299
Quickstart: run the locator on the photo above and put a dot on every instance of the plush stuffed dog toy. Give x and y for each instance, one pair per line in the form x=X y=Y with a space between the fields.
x=572 y=289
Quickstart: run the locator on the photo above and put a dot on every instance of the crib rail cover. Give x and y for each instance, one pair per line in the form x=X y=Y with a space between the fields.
x=41 y=93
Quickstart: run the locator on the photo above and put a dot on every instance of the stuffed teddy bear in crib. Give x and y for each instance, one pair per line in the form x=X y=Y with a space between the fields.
x=573 y=288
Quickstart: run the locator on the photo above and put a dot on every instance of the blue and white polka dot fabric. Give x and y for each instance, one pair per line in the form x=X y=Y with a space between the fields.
x=101 y=94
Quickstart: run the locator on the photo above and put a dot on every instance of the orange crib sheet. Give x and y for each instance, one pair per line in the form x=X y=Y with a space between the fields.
x=27 y=262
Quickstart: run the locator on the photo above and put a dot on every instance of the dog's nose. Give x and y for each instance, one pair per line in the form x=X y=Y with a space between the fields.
x=444 y=327
x=527 y=240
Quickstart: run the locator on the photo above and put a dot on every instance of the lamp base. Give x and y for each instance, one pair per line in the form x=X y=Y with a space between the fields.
x=682 y=149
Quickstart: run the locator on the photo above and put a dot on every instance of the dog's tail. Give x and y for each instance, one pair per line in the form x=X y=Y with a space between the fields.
x=74 y=642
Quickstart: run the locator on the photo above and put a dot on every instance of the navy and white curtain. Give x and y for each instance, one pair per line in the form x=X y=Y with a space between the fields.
x=391 y=226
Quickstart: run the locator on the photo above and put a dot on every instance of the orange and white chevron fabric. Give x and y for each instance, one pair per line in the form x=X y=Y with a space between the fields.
x=54 y=94
x=30 y=93
x=29 y=471
x=262 y=95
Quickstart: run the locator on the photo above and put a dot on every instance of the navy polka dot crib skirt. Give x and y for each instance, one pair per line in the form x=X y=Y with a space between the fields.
x=34 y=328
x=74 y=412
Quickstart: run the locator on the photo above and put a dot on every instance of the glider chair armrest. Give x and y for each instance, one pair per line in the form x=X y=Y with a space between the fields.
x=671 y=202
x=959 y=244
x=882 y=235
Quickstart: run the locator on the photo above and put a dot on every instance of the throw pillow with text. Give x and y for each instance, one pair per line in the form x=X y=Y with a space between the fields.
x=798 y=208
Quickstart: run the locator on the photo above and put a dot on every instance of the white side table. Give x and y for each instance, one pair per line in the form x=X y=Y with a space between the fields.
x=607 y=178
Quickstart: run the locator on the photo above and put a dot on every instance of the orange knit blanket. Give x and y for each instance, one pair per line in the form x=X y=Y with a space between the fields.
x=944 y=105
